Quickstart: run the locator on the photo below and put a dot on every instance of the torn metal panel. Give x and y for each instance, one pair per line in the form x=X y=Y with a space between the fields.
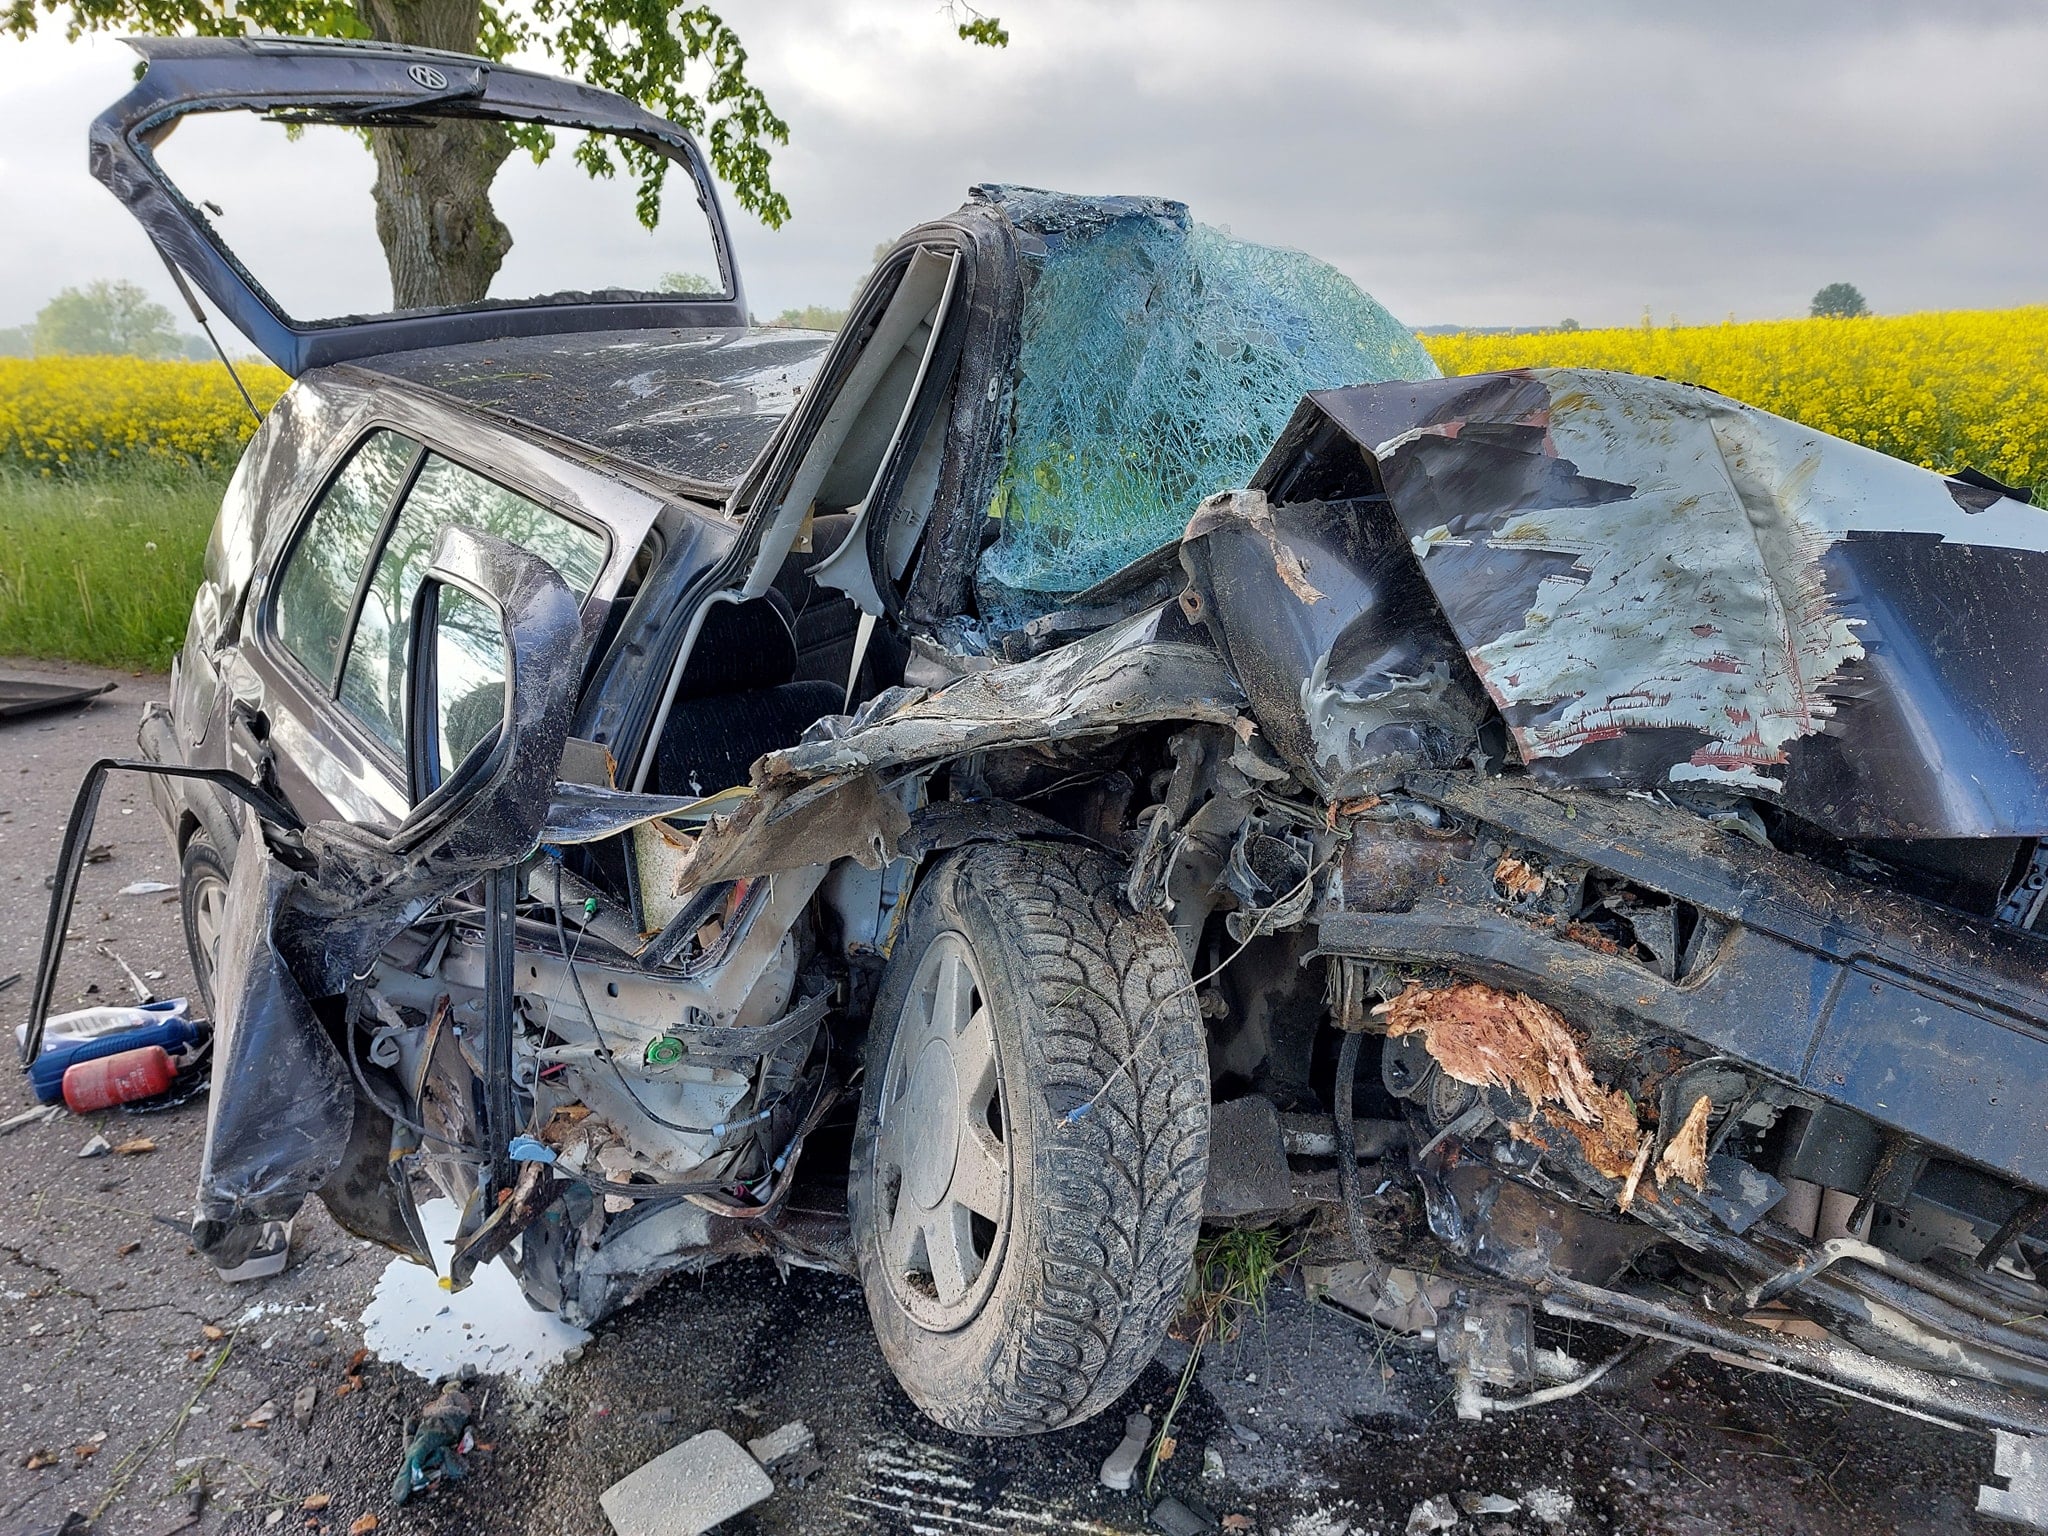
x=279 y=1118
x=1351 y=670
x=1146 y=670
x=590 y=813
x=1662 y=588
x=19 y=696
x=794 y=826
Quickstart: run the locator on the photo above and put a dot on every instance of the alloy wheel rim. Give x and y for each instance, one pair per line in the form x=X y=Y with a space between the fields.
x=942 y=1157
x=209 y=918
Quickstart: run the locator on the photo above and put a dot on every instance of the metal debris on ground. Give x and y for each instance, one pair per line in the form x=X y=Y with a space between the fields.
x=19 y=696
x=1396 y=1297
x=1120 y=1467
x=439 y=1443
x=687 y=1489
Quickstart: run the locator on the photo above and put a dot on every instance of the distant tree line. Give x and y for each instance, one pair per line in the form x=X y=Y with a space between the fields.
x=117 y=318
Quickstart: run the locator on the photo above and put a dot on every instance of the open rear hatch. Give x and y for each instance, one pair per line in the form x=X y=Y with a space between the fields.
x=333 y=166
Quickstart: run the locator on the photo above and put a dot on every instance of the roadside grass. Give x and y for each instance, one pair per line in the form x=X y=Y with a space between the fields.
x=101 y=567
x=1233 y=1271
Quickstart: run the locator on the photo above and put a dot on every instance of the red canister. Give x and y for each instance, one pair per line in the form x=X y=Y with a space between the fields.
x=121 y=1079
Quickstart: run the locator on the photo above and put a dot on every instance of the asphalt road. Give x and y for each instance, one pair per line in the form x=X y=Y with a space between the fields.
x=125 y=1360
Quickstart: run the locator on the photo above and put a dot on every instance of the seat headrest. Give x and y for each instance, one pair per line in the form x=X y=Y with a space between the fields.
x=742 y=647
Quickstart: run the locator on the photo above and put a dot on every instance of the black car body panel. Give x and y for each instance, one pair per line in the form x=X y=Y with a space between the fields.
x=694 y=407
x=367 y=83
x=1663 y=589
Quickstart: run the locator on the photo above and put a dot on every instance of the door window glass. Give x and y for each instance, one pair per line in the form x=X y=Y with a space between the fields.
x=319 y=581
x=373 y=678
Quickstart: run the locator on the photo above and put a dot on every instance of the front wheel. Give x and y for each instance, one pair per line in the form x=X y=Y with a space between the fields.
x=1028 y=1166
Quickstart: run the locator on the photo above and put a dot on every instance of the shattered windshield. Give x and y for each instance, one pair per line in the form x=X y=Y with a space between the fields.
x=308 y=211
x=1158 y=362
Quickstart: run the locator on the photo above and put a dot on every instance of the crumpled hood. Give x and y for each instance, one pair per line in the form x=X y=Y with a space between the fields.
x=1661 y=588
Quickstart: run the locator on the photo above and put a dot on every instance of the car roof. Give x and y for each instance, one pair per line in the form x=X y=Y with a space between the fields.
x=693 y=408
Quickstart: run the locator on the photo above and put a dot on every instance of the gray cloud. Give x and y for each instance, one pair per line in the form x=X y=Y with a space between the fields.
x=1483 y=162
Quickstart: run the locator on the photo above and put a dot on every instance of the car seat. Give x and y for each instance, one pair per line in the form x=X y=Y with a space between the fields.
x=826 y=621
x=739 y=697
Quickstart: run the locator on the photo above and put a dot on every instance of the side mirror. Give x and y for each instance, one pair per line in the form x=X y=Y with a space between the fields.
x=458 y=688
x=492 y=665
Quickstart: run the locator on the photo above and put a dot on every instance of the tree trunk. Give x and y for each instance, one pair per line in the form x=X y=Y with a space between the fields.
x=443 y=242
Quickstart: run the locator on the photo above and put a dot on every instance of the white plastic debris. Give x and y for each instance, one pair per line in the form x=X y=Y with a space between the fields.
x=146 y=888
x=1487 y=1504
x=1120 y=1468
x=780 y=1445
x=1553 y=1506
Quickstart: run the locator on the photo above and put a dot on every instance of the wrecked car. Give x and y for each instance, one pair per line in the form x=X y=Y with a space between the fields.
x=1107 y=741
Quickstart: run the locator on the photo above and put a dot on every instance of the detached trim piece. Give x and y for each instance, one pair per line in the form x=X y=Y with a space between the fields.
x=19 y=697
x=71 y=860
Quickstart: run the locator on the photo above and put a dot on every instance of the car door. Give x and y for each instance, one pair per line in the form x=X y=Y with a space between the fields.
x=322 y=671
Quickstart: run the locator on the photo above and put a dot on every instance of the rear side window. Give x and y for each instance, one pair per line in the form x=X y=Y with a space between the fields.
x=373 y=678
x=318 y=586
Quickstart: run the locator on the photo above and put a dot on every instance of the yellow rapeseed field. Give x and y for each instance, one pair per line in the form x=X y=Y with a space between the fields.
x=60 y=414
x=1944 y=390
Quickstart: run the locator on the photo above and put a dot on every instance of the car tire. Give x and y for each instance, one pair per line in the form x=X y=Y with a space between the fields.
x=1025 y=1200
x=202 y=900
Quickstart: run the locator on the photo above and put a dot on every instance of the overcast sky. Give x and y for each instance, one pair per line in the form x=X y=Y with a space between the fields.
x=1482 y=163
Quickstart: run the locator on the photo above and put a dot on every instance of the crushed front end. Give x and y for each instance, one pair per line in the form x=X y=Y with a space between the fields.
x=1651 y=786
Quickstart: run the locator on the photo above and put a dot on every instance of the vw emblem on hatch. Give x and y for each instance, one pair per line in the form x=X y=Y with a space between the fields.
x=428 y=78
